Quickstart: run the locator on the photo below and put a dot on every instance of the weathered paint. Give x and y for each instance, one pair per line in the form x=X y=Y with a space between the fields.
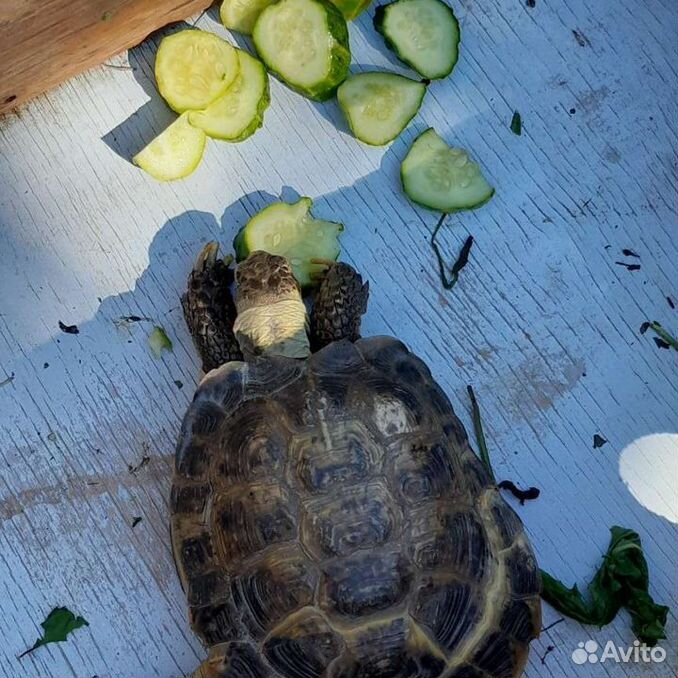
x=542 y=322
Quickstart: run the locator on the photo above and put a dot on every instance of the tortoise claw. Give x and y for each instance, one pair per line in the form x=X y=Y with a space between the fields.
x=207 y=257
x=319 y=274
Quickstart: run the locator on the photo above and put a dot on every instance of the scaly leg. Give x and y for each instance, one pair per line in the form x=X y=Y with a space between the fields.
x=209 y=309
x=338 y=306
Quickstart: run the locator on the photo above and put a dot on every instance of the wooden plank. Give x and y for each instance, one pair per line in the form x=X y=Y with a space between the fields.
x=46 y=42
x=543 y=323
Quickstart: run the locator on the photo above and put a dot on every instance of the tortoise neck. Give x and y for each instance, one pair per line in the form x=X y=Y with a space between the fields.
x=276 y=328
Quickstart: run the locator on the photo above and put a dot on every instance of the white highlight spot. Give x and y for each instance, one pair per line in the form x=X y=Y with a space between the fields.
x=649 y=468
x=391 y=416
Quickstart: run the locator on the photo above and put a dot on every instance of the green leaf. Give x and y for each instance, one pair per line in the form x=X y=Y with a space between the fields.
x=159 y=341
x=648 y=619
x=516 y=123
x=622 y=580
x=568 y=601
x=59 y=623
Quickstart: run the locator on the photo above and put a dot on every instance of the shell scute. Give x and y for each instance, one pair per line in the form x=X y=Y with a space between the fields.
x=496 y=656
x=346 y=453
x=196 y=553
x=387 y=649
x=272 y=588
x=362 y=516
x=303 y=646
x=450 y=609
x=256 y=449
x=364 y=583
x=189 y=499
x=518 y=621
x=452 y=538
x=216 y=622
x=423 y=470
x=236 y=660
x=336 y=358
x=251 y=518
x=523 y=570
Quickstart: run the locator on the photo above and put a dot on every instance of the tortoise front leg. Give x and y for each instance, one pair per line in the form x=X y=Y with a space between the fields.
x=209 y=309
x=338 y=306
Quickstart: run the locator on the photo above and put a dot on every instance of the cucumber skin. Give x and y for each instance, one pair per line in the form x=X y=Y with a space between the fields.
x=340 y=57
x=388 y=141
x=241 y=251
x=403 y=181
x=435 y=209
x=378 y=21
x=258 y=121
x=351 y=8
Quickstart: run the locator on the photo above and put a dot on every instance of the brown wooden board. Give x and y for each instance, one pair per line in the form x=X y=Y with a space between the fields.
x=44 y=42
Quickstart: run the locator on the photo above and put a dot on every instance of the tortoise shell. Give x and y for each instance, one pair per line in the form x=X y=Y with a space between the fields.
x=329 y=520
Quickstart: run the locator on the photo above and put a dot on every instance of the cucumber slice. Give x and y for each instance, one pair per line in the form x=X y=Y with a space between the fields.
x=292 y=232
x=423 y=33
x=304 y=43
x=351 y=8
x=239 y=113
x=174 y=153
x=443 y=178
x=378 y=106
x=193 y=68
x=241 y=15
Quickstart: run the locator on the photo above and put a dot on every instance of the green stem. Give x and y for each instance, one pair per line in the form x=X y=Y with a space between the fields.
x=480 y=435
x=462 y=259
x=663 y=334
x=447 y=284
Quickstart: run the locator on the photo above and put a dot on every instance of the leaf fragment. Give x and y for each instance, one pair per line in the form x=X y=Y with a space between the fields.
x=622 y=580
x=9 y=380
x=598 y=441
x=69 y=329
x=135 y=468
x=516 y=123
x=521 y=495
x=628 y=267
x=60 y=622
x=159 y=341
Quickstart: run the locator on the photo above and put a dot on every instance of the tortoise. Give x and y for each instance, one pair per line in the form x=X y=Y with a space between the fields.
x=329 y=518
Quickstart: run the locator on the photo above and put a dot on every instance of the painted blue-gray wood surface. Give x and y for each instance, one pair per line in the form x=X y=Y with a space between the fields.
x=544 y=322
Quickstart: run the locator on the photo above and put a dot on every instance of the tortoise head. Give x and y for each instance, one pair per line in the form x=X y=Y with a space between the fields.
x=272 y=317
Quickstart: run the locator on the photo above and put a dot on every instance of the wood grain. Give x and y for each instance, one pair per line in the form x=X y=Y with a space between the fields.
x=47 y=42
x=542 y=322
